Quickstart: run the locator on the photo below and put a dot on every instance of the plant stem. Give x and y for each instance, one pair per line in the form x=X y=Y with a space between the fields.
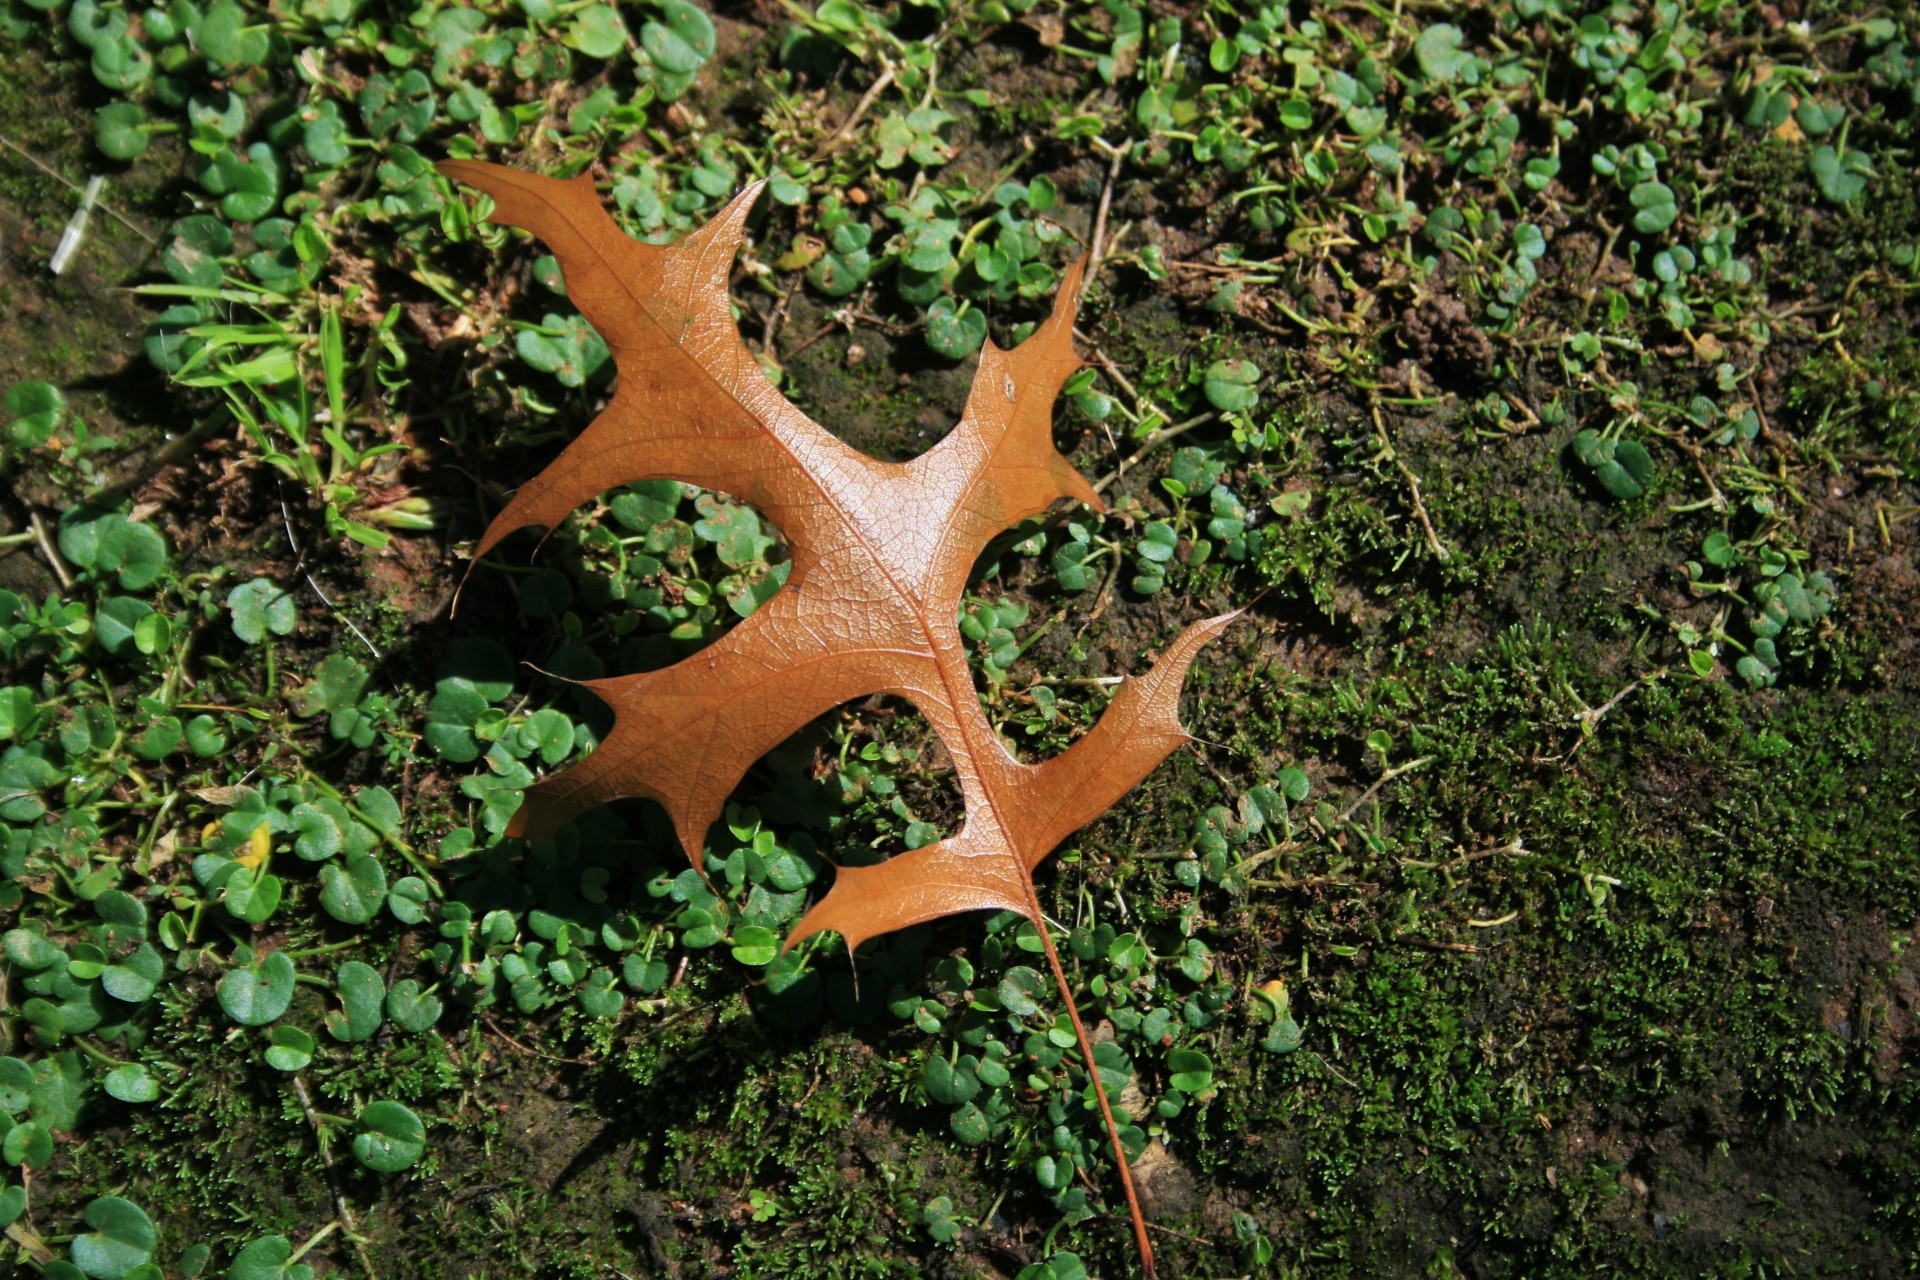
x=1100 y=1092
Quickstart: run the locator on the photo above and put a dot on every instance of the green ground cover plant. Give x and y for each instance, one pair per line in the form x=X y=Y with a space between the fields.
x=1538 y=897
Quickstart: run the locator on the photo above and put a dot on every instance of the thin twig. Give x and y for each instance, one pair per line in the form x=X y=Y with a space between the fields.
x=340 y=1209
x=51 y=552
x=1099 y=247
x=300 y=567
x=1134 y=1211
x=1151 y=443
x=1287 y=846
x=860 y=109
x=1434 y=544
x=571 y=1062
x=63 y=179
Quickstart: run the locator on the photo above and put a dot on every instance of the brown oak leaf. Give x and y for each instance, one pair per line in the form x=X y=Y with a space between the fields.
x=881 y=554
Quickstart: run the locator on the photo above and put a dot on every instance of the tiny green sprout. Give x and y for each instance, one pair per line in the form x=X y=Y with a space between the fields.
x=1156 y=549
x=1256 y=1247
x=390 y=1137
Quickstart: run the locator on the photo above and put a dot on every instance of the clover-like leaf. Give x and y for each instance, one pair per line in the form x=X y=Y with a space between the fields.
x=1654 y=206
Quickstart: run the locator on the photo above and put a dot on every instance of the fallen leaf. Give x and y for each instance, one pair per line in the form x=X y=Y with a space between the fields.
x=881 y=556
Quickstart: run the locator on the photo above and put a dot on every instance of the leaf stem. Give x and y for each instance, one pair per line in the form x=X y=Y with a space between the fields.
x=1100 y=1092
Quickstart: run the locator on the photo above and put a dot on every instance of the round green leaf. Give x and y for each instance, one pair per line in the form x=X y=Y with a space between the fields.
x=119 y=130
x=34 y=411
x=947 y=1083
x=456 y=706
x=266 y=1259
x=755 y=945
x=261 y=606
x=1192 y=1070
x=122 y=1239
x=251 y=895
x=224 y=38
x=600 y=997
x=205 y=737
x=1019 y=989
x=410 y=1008
x=16 y=1086
x=682 y=44
x=1229 y=385
x=970 y=1124
x=259 y=992
x=290 y=1049
x=1655 y=203
x=548 y=732
x=132 y=1083
x=317 y=833
x=955 y=331
x=391 y=1137
x=28 y=1144
x=135 y=978
x=408 y=899
x=364 y=996
x=597 y=31
x=121 y=65
x=353 y=888
x=29 y=950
